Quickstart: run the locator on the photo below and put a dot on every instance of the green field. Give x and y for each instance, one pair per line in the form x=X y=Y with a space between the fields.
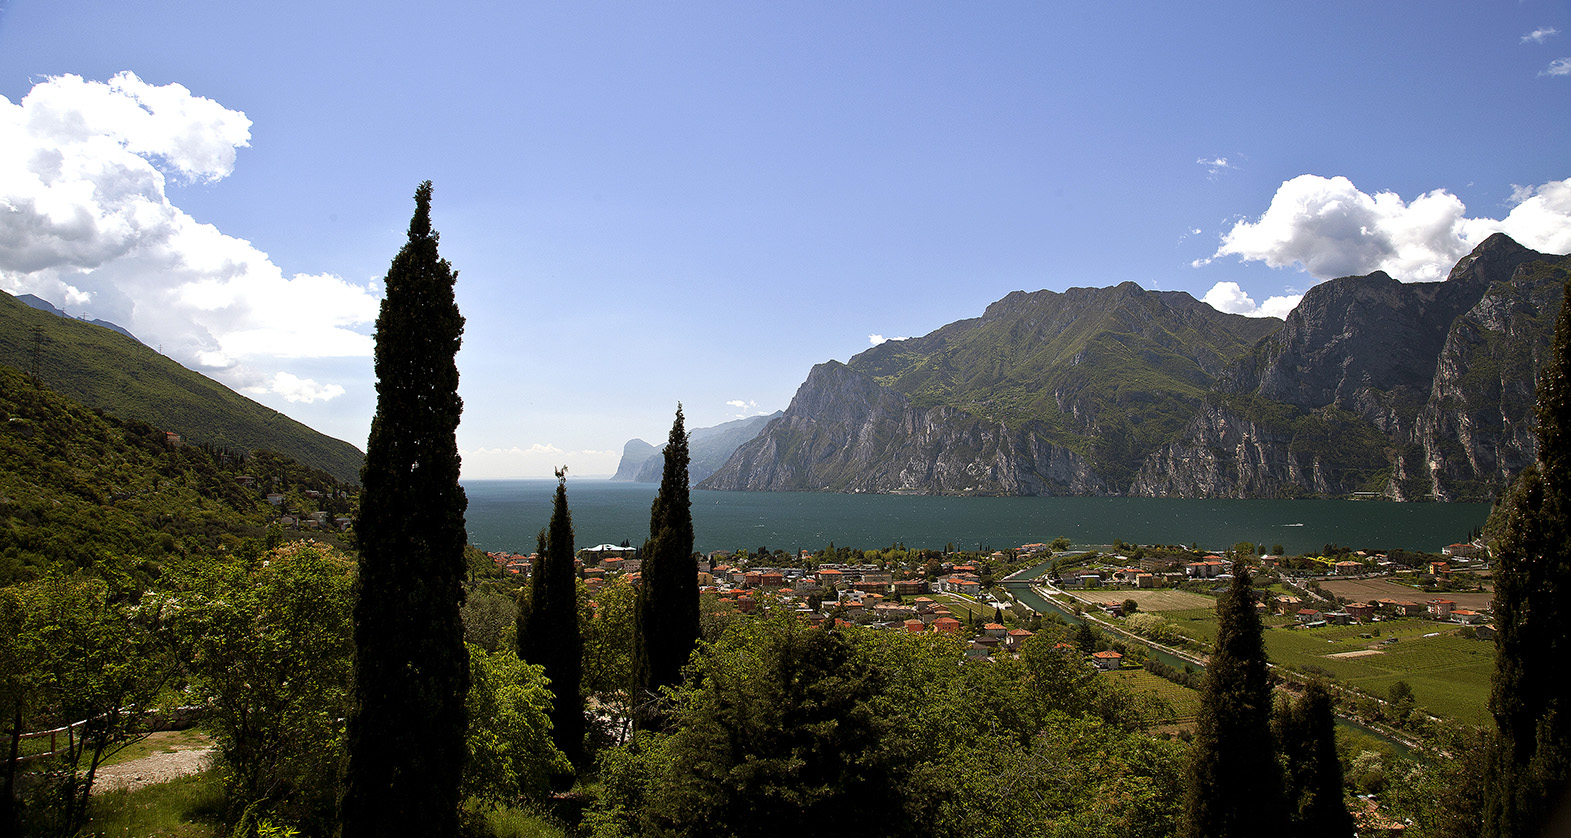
x=1449 y=675
x=1185 y=701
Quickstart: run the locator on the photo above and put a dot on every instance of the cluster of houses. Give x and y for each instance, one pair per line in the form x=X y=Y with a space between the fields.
x=1439 y=610
x=863 y=594
x=318 y=520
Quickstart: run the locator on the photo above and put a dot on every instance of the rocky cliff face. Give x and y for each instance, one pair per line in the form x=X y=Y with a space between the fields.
x=845 y=432
x=1406 y=391
x=634 y=454
x=1372 y=387
x=1475 y=432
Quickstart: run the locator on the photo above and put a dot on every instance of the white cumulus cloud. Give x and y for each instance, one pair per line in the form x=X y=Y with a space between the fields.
x=86 y=223
x=874 y=340
x=1540 y=35
x=296 y=389
x=1558 y=67
x=746 y=407
x=1328 y=228
x=1228 y=297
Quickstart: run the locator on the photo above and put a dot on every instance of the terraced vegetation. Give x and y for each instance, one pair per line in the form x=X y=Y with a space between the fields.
x=1184 y=701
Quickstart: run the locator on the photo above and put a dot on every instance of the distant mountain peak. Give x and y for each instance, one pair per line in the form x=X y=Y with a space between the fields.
x=44 y=305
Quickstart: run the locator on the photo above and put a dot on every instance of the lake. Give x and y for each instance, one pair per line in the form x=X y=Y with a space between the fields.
x=506 y=515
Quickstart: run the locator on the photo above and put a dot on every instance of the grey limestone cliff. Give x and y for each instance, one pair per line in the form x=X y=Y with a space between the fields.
x=845 y=432
x=1406 y=391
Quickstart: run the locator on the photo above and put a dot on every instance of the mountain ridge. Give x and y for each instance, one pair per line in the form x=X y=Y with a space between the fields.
x=1370 y=386
x=110 y=370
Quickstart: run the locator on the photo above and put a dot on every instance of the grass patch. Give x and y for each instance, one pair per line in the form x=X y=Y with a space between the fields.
x=188 y=807
x=962 y=607
x=1195 y=623
x=482 y=821
x=162 y=742
x=1450 y=676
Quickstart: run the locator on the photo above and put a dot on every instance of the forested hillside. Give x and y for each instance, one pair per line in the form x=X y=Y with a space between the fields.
x=80 y=488
x=104 y=369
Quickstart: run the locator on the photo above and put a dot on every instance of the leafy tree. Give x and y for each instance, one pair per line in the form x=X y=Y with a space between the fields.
x=1233 y=783
x=879 y=733
x=1312 y=769
x=19 y=686
x=668 y=624
x=1401 y=695
x=268 y=645
x=406 y=734
x=548 y=631
x=490 y=618
x=1528 y=772
x=1130 y=607
x=607 y=627
x=510 y=752
x=780 y=736
x=94 y=658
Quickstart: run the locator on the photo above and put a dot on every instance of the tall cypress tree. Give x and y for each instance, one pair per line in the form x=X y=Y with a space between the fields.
x=667 y=624
x=1306 y=730
x=548 y=630
x=406 y=733
x=1527 y=789
x=1234 y=786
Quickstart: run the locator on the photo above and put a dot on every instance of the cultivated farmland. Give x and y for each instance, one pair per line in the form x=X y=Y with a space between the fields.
x=1365 y=590
x=1449 y=675
x=1163 y=600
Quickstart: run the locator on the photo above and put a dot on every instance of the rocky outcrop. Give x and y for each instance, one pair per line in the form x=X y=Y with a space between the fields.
x=844 y=432
x=1474 y=434
x=1405 y=391
x=634 y=454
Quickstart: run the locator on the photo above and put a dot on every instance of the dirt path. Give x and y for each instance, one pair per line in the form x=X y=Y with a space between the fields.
x=155 y=768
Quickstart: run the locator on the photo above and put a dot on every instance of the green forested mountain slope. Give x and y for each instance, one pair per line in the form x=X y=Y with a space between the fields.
x=79 y=488
x=105 y=369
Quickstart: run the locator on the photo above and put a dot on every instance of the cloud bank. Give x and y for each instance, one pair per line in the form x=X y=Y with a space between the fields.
x=85 y=222
x=1328 y=228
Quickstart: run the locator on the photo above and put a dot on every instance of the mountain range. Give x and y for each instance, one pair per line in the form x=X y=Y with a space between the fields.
x=103 y=366
x=1371 y=387
x=707 y=450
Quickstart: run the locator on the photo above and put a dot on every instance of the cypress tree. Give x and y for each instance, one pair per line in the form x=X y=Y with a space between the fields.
x=1306 y=729
x=406 y=732
x=667 y=619
x=1530 y=765
x=548 y=631
x=1234 y=786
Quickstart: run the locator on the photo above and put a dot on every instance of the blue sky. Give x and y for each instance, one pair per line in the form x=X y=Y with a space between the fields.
x=696 y=202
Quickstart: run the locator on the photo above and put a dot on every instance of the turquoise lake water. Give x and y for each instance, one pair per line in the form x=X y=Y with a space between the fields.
x=506 y=515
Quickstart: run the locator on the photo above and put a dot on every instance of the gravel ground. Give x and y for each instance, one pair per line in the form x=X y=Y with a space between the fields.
x=157 y=768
